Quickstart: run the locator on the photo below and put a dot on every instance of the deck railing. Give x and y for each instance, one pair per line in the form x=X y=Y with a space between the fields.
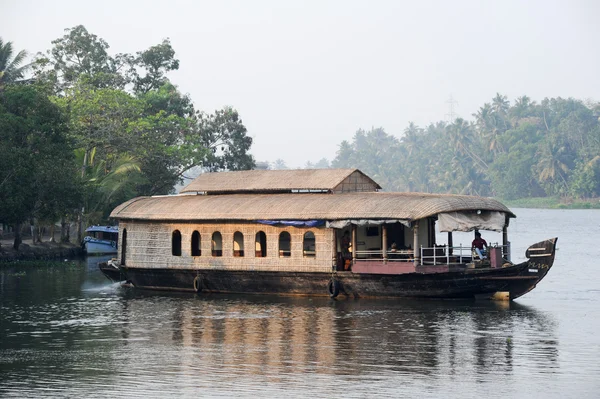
x=456 y=255
x=438 y=255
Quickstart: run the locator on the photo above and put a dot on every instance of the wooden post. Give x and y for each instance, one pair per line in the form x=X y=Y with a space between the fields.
x=450 y=244
x=334 y=250
x=417 y=252
x=353 y=244
x=384 y=241
x=505 y=242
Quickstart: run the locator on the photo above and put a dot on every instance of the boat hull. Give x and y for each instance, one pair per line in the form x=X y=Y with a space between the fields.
x=97 y=247
x=111 y=271
x=514 y=280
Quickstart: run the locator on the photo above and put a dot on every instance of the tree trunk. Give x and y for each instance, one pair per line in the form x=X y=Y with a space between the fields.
x=41 y=231
x=18 y=240
x=80 y=218
x=80 y=226
x=52 y=227
x=64 y=231
x=33 y=231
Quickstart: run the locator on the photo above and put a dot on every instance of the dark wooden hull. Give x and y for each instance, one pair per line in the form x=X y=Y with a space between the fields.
x=113 y=273
x=514 y=280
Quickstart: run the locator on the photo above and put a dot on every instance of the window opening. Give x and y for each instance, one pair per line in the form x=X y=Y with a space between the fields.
x=217 y=244
x=261 y=245
x=176 y=243
x=285 y=245
x=309 y=245
x=238 y=244
x=196 y=251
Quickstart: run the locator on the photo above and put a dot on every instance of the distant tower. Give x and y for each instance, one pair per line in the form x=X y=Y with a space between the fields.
x=451 y=104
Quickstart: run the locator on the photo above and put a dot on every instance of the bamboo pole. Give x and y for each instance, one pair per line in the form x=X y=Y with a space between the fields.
x=417 y=253
x=384 y=241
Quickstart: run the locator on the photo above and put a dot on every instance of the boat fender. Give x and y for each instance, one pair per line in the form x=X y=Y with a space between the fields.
x=113 y=244
x=333 y=288
x=198 y=283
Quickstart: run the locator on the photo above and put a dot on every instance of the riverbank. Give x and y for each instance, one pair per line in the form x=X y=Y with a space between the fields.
x=43 y=250
x=553 y=203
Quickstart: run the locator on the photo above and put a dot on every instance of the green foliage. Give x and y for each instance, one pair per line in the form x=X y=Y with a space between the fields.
x=224 y=135
x=517 y=151
x=81 y=56
x=11 y=67
x=375 y=153
x=585 y=180
x=511 y=173
x=156 y=62
x=124 y=130
x=36 y=159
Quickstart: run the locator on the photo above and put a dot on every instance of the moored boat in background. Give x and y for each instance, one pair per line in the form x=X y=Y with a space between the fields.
x=101 y=240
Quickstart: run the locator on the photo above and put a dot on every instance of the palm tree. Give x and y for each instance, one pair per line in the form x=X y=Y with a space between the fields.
x=103 y=182
x=501 y=105
x=551 y=165
x=487 y=124
x=11 y=68
x=411 y=137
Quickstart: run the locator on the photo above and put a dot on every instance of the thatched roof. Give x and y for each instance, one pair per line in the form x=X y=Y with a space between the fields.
x=249 y=207
x=276 y=181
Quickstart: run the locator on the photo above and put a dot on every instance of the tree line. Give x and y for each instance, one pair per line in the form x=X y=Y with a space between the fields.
x=526 y=149
x=82 y=130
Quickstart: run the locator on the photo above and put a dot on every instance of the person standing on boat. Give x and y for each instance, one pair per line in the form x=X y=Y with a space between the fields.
x=478 y=245
x=346 y=255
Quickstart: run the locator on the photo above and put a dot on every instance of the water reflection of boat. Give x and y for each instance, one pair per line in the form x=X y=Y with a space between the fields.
x=318 y=232
x=101 y=240
x=285 y=335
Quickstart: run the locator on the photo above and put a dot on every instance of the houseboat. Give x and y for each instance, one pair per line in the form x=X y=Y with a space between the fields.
x=318 y=232
x=101 y=240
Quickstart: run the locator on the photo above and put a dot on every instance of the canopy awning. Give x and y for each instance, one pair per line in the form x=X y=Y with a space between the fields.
x=462 y=221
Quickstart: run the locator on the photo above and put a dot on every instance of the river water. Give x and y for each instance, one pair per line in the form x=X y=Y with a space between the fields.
x=66 y=331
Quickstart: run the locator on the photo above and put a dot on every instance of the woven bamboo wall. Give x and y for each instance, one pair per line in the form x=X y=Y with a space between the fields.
x=356 y=182
x=149 y=246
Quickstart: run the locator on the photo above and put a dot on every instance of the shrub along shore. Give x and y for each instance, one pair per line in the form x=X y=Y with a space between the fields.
x=40 y=251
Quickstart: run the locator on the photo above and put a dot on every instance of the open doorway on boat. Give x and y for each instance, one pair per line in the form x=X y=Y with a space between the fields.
x=124 y=247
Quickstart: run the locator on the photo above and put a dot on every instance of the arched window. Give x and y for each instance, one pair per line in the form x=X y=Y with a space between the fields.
x=309 y=246
x=238 y=244
x=217 y=244
x=176 y=243
x=261 y=245
x=285 y=245
x=124 y=246
x=196 y=251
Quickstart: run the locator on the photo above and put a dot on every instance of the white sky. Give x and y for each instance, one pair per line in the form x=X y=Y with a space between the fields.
x=305 y=75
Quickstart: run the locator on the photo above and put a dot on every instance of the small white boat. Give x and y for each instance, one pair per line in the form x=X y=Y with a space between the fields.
x=101 y=240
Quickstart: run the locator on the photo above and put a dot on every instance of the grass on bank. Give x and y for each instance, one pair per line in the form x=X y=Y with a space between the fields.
x=553 y=203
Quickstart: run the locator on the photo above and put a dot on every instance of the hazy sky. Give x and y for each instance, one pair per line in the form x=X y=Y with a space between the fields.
x=305 y=75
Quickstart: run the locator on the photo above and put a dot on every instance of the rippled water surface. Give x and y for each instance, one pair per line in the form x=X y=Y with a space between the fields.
x=66 y=331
